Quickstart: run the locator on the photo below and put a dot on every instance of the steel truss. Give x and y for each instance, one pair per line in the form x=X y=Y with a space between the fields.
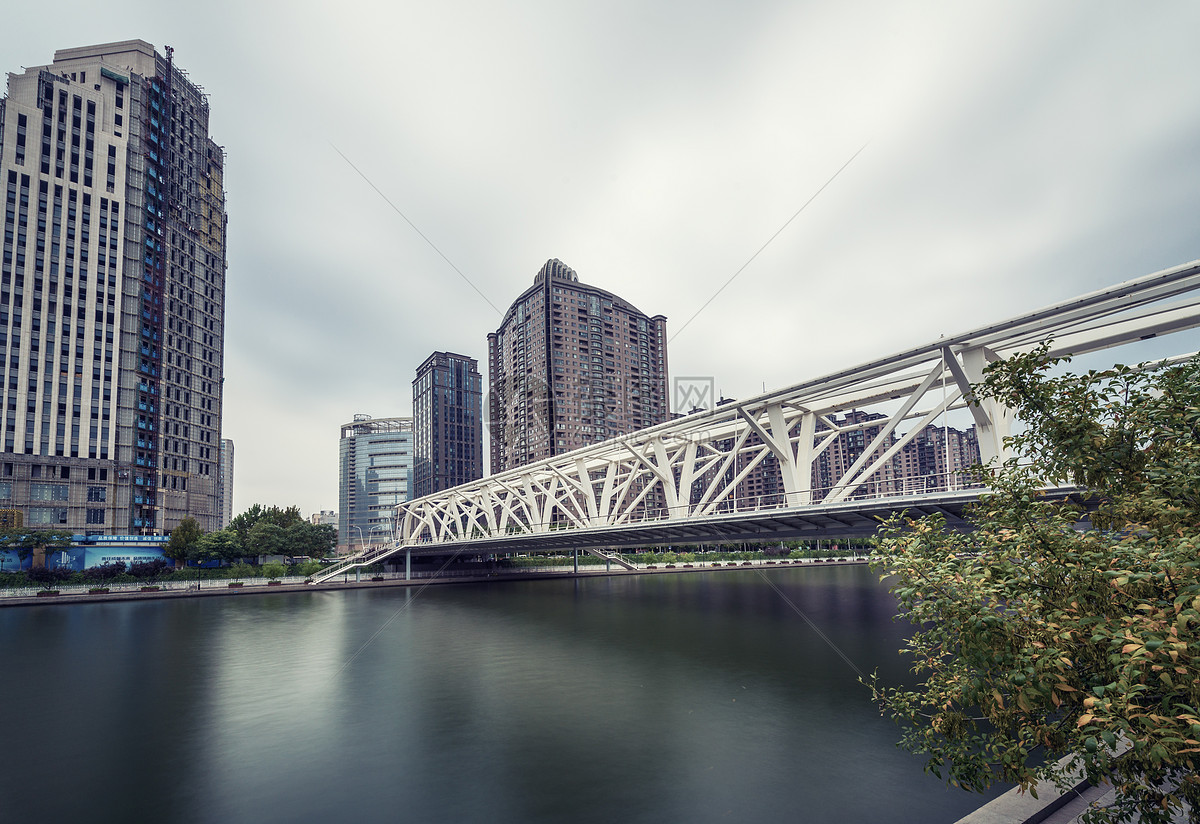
x=669 y=479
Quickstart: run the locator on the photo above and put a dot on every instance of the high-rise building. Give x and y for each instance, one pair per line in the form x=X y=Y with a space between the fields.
x=571 y=365
x=112 y=294
x=225 y=481
x=376 y=456
x=447 y=423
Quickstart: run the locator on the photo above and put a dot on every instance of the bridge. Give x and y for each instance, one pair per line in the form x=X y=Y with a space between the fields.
x=821 y=458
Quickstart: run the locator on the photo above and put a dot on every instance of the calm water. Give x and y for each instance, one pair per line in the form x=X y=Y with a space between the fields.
x=668 y=698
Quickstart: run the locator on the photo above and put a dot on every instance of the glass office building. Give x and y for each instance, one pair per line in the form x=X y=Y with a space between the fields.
x=376 y=464
x=447 y=423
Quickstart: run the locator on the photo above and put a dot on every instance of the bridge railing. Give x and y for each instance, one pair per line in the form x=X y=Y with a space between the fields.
x=364 y=558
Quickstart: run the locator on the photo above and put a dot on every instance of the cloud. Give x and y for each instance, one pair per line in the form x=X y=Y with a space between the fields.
x=1018 y=154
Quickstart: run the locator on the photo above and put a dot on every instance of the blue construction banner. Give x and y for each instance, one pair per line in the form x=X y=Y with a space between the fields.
x=70 y=558
x=84 y=557
x=10 y=561
x=89 y=552
x=95 y=556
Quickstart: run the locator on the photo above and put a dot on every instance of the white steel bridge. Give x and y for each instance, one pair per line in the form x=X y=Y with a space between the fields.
x=764 y=469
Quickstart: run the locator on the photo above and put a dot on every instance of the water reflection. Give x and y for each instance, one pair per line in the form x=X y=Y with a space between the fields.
x=698 y=697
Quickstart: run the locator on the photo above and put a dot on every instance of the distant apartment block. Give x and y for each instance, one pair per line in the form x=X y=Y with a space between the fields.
x=112 y=294
x=447 y=423
x=325 y=516
x=375 y=475
x=572 y=365
x=936 y=459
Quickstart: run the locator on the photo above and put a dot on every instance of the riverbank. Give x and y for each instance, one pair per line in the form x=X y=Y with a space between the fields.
x=220 y=589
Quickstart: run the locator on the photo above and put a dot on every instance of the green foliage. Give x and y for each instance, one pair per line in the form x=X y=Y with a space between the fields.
x=48 y=578
x=307 y=568
x=27 y=541
x=241 y=570
x=282 y=518
x=266 y=538
x=1043 y=636
x=314 y=540
x=273 y=571
x=183 y=538
x=221 y=545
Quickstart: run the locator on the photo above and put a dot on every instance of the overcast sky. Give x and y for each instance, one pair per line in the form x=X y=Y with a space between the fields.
x=1016 y=154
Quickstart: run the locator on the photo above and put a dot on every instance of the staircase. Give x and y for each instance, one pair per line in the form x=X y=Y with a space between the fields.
x=614 y=557
x=359 y=560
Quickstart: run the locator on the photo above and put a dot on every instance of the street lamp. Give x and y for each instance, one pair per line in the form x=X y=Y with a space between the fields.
x=361 y=542
x=381 y=527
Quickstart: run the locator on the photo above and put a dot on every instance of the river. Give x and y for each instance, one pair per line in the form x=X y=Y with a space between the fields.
x=691 y=697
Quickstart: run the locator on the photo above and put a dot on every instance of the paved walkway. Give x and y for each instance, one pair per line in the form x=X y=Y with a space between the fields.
x=220 y=588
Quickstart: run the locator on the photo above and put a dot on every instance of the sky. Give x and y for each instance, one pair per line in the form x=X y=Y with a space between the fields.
x=398 y=172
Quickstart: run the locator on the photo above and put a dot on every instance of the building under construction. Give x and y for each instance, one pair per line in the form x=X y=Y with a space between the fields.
x=112 y=294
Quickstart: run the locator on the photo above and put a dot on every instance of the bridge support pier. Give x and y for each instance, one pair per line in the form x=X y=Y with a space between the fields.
x=358 y=575
x=408 y=564
x=575 y=556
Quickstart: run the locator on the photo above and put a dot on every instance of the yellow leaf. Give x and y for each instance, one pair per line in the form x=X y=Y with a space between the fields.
x=1084 y=719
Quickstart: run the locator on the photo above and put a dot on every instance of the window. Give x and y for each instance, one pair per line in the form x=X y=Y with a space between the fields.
x=95 y=516
x=47 y=492
x=97 y=493
x=43 y=516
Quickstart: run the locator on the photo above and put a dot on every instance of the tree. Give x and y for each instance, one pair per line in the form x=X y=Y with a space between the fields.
x=183 y=538
x=35 y=542
x=266 y=538
x=47 y=577
x=282 y=518
x=322 y=539
x=1045 y=637
x=221 y=544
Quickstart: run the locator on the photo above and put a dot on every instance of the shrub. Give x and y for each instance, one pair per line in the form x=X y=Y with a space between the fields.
x=242 y=570
x=148 y=569
x=307 y=568
x=105 y=572
x=47 y=577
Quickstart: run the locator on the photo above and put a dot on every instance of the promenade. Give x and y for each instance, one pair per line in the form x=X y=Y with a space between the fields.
x=76 y=594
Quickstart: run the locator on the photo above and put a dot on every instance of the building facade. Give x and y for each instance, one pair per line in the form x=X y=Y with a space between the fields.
x=376 y=463
x=447 y=423
x=325 y=516
x=112 y=294
x=571 y=365
x=225 y=481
